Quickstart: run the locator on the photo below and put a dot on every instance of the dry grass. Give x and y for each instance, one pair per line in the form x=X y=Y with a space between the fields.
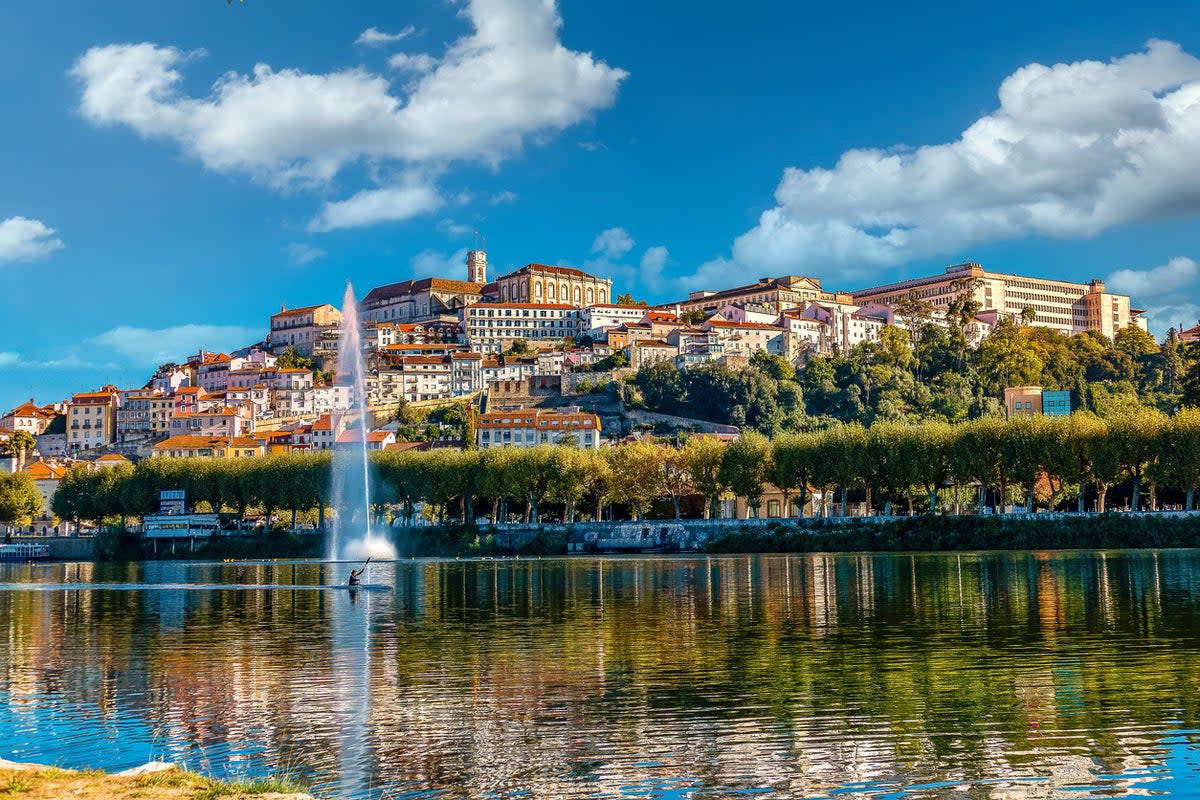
x=173 y=784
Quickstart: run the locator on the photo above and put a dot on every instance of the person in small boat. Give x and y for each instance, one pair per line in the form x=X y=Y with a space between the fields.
x=354 y=573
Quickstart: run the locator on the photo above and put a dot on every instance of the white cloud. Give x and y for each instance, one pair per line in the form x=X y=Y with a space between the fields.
x=418 y=63
x=1178 y=274
x=373 y=206
x=433 y=263
x=1072 y=150
x=508 y=80
x=24 y=239
x=651 y=268
x=502 y=198
x=304 y=253
x=373 y=37
x=1170 y=292
x=613 y=243
x=150 y=347
x=454 y=229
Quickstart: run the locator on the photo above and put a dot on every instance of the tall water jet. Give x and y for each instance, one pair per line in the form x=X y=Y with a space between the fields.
x=351 y=535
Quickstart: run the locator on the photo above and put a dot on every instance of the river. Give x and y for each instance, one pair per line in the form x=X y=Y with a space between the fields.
x=998 y=675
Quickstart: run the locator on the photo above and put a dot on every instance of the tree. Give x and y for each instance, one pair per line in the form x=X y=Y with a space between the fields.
x=1171 y=360
x=636 y=476
x=627 y=300
x=746 y=467
x=1134 y=440
x=571 y=478
x=792 y=466
x=73 y=498
x=1179 y=453
x=1028 y=316
x=677 y=480
x=290 y=359
x=703 y=456
x=838 y=459
x=20 y=500
x=1007 y=358
x=20 y=444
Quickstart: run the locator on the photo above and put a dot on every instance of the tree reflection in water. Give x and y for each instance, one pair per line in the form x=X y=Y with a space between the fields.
x=993 y=675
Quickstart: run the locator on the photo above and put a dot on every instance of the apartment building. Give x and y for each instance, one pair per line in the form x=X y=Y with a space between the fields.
x=1064 y=306
x=596 y=320
x=145 y=414
x=227 y=422
x=92 y=419
x=530 y=427
x=492 y=327
x=302 y=328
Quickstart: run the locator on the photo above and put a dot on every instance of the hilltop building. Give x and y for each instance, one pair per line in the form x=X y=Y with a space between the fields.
x=541 y=283
x=1064 y=306
x=302 y=329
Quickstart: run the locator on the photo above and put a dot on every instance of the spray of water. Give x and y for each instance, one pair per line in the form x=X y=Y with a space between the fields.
x=351 y=535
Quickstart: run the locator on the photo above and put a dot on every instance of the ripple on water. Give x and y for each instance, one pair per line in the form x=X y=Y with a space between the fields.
x=998 y=675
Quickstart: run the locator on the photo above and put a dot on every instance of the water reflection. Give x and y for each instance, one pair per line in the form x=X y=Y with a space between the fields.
x=981 y=675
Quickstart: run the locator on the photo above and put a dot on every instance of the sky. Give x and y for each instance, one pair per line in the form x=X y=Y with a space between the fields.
x=172 y=173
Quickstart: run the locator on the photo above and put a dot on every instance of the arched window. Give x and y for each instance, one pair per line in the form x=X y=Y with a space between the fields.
x=602 y=298
x=537 y=291
x=504 y=293
x=578 y=294
x=564 y=293
x=591 y=296
x=552 y=291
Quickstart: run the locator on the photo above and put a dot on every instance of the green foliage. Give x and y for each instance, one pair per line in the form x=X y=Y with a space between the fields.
x=20 y=500
x=290 y=359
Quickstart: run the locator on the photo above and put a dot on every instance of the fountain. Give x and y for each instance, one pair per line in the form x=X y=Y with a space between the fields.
x=351 y=535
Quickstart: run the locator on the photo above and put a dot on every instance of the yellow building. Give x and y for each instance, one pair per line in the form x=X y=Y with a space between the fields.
x=91 y=420
x=46 y=476
x=541 y=283
x=1064 y=306
x=209 y=447
x=773 y=294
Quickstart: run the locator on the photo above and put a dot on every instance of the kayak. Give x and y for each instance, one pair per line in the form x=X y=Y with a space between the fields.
x=366 y=587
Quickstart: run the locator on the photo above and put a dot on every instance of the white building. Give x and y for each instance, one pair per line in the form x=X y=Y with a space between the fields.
x=493 y=327
x=530 y=427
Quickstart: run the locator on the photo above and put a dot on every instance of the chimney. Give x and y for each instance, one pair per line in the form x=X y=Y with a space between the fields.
x=477 y=266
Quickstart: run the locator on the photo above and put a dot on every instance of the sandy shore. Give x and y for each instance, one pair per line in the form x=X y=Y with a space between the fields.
x=154 y=781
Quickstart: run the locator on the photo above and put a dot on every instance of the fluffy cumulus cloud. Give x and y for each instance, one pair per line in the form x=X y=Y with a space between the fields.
x=613 y=243
x=373 y=37
x=373 y=206
x=23 y=239
x=431 y=262
x=1170 y=293
x=1072 y=150
x=149 y=347
x=612 y=246
x=505 y=81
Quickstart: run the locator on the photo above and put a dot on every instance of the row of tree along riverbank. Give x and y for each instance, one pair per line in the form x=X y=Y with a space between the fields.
x=863 y=534
x=1032 y=461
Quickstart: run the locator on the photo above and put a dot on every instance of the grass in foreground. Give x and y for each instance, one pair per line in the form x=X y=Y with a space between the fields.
x=174 y=784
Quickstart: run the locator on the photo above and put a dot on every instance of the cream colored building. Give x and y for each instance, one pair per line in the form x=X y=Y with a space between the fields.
x=492 y=327
x=776 y=294
x=530 y=427
x=91 y=420
x=1061 y=305
x=301 y=328
x=541 y=283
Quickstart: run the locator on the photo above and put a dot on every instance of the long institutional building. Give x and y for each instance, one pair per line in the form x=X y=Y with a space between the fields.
x=1066 y=307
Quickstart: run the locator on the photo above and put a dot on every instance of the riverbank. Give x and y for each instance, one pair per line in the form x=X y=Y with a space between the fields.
x=152 y=782
x=934 y=534
x=883 y=534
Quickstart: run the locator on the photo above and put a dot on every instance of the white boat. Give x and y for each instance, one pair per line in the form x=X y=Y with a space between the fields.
x=24 y=551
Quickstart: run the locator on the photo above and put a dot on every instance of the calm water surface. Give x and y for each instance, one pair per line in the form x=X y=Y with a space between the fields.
x=1005 y=675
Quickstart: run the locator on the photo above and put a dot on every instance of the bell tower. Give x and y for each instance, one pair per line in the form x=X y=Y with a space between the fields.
x=477 y=266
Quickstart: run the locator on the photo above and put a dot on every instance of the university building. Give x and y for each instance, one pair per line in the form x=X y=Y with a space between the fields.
x=1064 y=306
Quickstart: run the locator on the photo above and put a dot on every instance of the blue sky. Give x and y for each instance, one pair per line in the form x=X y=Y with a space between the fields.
x=170 y=173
